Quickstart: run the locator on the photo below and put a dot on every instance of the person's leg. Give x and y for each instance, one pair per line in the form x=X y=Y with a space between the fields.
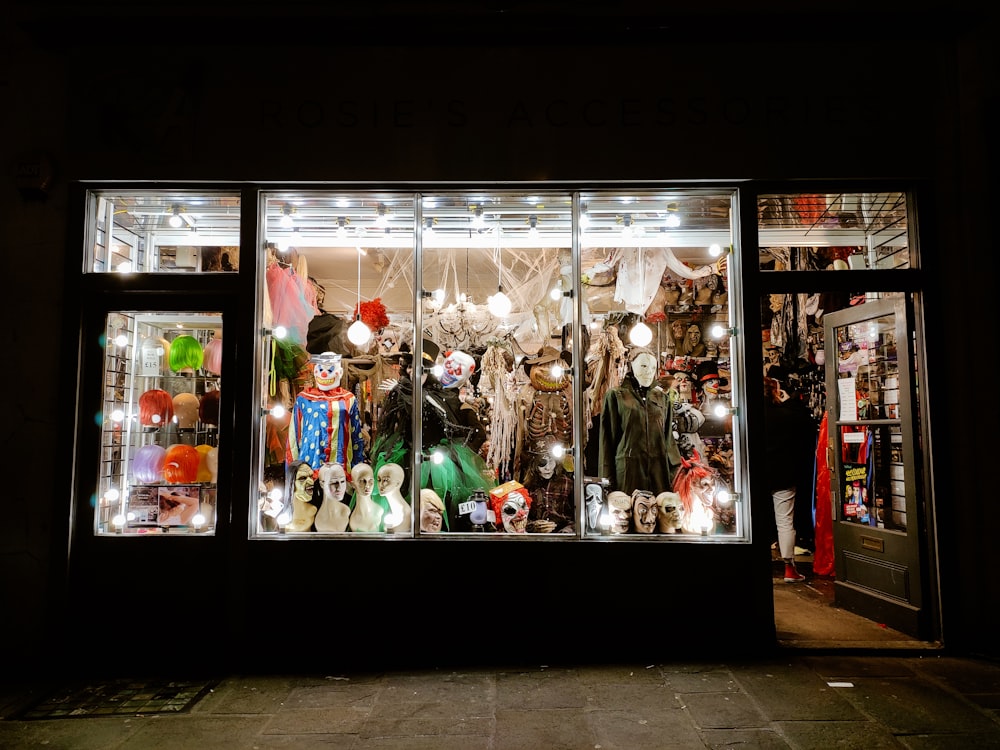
x=784 y=519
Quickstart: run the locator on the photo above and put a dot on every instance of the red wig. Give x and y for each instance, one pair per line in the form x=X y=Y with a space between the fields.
x=156 y=408
x=180 y=465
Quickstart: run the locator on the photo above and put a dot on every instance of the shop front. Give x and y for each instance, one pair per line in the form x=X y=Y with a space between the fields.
x=326 y=426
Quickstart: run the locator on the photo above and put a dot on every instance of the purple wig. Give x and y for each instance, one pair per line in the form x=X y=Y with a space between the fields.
x=147 y=465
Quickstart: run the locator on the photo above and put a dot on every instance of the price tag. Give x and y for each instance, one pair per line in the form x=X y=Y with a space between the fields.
x=466 y=508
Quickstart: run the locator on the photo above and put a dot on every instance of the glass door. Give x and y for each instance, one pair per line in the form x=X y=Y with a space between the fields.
x=873 y=417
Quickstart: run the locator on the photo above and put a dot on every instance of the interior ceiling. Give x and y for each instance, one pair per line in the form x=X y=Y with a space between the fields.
x=472 y=242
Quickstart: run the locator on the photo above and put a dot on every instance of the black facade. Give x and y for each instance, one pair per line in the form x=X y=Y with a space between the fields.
x=312 y=98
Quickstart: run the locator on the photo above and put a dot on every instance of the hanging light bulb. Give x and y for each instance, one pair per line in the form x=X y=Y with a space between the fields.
x=381 y=216
x=627 y=225
x=341 y=226
x=286 y=217
x=499 y=304
x=358 y=333
x=641 y=334
x=533 y=225
x=478 y=220
x=175 y=219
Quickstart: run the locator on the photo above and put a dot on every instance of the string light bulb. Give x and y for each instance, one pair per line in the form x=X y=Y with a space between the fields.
x=175 y=219
x=358 y=333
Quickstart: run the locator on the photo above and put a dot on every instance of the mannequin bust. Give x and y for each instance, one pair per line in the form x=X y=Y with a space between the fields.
x=390 y=480
x=186 y=406
x=326 y=421
x=367 y=514
x=303 y=511
x=334 y=513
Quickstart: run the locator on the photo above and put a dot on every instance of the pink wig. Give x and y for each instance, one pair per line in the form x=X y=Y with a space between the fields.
x=213 y=357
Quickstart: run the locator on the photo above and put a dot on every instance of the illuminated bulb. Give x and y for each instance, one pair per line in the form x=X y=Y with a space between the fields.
x=673 y=220
x=437 y=371
x=286 y=217
x=584 y=221
x=283 y=519
x=175 y=220
x=359 y=333
x=438 y=296
x=275 y=495
x=499 y=304
x=125 y=267
x=155 y=419
x=112 y=495
x=283 y=246
x=392 y=519
x=117 y=415
x=723 y=497
x=641 y=334
x=715 y=251
x=130 y=516
x=437 y=457
x=717 y=331
x=558 y=451
x=557 y=371
x=720 y=410
x=381 y=219
x=118 y=521
x=279 y=332
x=277 y=411
x=121 y=339
x=198 y=520
x=556 y=293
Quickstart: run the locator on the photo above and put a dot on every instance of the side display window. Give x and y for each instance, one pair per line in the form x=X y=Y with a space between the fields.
x=156 y=232
x=159 y=425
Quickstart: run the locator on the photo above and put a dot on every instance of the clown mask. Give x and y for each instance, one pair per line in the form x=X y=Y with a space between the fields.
x=458 y=367
x=514 y=512
x=327 y=371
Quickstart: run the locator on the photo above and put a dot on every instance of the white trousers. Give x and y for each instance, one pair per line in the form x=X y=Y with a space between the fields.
x=784 y=520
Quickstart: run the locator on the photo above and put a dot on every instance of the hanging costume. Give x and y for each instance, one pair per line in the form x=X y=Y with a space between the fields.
x=325 y=428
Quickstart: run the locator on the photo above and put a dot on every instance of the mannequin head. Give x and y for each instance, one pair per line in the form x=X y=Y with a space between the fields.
x=644 y=511
x=643 y=364
x=432 y=515
x=327 y=370
x=186 y=407
x=390 y=478
x=363 y=480
x=333 y=480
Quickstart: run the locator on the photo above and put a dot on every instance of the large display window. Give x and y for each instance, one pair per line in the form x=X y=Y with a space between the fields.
x=571 y=354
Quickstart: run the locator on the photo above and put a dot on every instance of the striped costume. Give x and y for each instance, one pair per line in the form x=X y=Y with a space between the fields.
x=326 y=428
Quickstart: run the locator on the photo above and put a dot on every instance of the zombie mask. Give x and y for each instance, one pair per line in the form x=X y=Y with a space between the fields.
x=327 y=370
x=668 y=519
x=620 y=507
x=431 y=511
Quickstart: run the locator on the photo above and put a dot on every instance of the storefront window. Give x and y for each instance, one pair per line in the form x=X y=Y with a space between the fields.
x=175 y=232
x=159 y=423
x=833 y=231
x=572 y=354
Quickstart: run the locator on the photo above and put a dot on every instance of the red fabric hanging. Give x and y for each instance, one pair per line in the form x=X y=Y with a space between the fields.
x=823 y=554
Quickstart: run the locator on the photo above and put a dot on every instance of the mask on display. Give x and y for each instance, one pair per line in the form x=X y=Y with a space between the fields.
x=594 y=494
x=458 y=368
x=431 y=512
x=546 y=465
x=644 y=367
x=668 y=518
x=327 y=370
x=620 y=507
x=644 y=511
x=514 y=512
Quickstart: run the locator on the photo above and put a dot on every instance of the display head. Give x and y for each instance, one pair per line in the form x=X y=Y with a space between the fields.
x=327 y=370
x=363 y=479
x=333 y=480
x=390 y=477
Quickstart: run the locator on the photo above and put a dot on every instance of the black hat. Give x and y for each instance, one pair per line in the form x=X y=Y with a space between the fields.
x=708 y=369
x=430 y=351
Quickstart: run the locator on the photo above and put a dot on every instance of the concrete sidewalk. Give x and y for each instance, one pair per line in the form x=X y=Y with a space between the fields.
x=793 y=700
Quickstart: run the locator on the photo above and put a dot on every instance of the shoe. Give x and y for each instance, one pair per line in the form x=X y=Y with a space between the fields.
x=792 y=575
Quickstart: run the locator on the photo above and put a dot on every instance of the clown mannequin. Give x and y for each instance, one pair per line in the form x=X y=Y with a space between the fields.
x=637 y=448
x=366 y=514
x=326 y=422
x=334 y=513
x=390 y=480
